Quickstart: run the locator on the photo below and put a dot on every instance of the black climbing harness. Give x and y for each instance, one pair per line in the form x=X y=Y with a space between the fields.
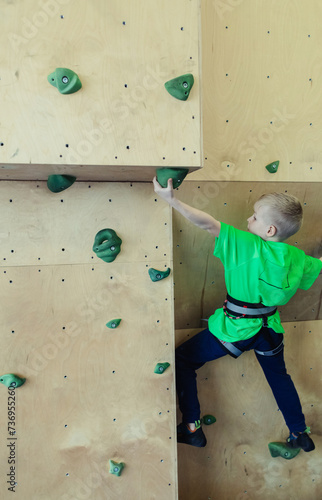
x=236 y=309
x=239 y=309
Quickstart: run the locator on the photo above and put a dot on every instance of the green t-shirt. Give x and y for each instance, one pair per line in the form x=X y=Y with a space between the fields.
x=258 y=271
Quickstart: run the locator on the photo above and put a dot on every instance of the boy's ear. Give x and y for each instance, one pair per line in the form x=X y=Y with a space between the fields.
x=272 y=231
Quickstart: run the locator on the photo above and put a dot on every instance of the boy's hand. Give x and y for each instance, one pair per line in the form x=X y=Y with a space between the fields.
x=165 y=193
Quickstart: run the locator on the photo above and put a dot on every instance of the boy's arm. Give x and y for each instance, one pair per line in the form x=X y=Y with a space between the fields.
x=197 y=217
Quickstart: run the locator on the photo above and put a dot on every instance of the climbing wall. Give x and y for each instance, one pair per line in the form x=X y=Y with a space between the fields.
x=91 y=393
x=236 y=463
x=261 y=90
x=261 y=103
x=233 y=202
x=122 y=123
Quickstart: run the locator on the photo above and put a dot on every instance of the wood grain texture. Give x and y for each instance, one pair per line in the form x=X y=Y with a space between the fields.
x=261 y=90
x=60 y=228
x=236 y=463
x=91 y=173
x=232 y=203
x=123 y=116
x=91 y=393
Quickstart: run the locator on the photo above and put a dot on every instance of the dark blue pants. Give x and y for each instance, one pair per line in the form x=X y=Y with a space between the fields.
x=204 y=347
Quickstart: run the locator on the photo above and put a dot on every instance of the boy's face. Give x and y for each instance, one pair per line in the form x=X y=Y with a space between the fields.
x=259 y=223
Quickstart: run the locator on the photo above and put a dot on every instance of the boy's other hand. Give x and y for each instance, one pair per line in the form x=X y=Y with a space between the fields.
x=165 y=193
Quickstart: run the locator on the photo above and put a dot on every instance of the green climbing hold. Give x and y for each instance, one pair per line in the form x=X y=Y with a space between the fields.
x=114 y=323
x=58 y=183
x=272 y=167
x=66 y=80
x=282 y=450
x=180 y=87
x=11 y=380
x=107 y=245
x=161 y=368
x=116 y=468
x=208 y=419
x=176 y=174
x=156 y=275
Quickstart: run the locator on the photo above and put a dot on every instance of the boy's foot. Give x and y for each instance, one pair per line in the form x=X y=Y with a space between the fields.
x=301 y=440
x=194 y=438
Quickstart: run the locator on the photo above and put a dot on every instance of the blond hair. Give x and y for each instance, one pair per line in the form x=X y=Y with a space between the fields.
x=286 y=212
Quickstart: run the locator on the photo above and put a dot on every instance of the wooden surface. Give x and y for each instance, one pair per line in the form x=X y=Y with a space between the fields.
x=199 y=276
x=90 y=173
x=123 y=52
x=261 y=90
x=91 y=392
x=236 y=463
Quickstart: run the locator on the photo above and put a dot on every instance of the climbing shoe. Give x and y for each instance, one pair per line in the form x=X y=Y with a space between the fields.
x=301 y=440
x=194 y=438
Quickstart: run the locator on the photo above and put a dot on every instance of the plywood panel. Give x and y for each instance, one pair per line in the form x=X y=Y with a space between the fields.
x=91 y=393
x=261 y=90
x=81 y=172
x=60 y=228
x=236 y=463
x=123 y=116
x=199 y=277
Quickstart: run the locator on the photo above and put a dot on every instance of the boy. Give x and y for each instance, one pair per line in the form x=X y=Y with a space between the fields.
x=261 y=272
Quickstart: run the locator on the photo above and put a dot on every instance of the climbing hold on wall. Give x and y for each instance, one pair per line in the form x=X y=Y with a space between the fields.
x=180 y=87
x=114 y=323
x=176 y=174
x=107 y=245
x=161 y=368
x=66 y=80
x=116 y=468
x=208 y=419
x=11 y=380
x=58 y=183
x=272 y=167
x=282 y=450
x=156 y=275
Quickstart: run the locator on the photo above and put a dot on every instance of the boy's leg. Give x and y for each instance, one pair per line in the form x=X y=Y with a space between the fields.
x=190 y=356
x=284 y=390
x=287 y=399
